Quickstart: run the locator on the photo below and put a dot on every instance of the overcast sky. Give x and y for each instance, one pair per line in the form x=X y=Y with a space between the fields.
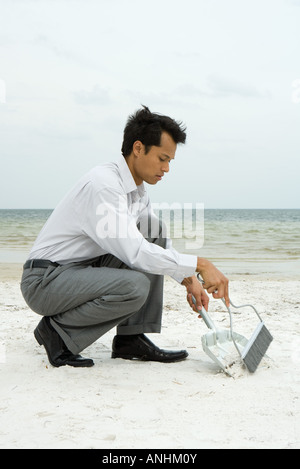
x=71 y=71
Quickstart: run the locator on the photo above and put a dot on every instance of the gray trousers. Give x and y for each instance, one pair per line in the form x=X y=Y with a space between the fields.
x=85 y=300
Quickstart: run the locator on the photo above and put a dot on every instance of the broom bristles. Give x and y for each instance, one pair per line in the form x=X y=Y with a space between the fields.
x=256 y=347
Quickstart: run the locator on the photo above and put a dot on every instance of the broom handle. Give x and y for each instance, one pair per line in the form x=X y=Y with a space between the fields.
x=241 y=306
x=205 y=316
x=231 y=327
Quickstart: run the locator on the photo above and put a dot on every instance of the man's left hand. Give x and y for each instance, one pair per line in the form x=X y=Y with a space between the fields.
x=196 y=290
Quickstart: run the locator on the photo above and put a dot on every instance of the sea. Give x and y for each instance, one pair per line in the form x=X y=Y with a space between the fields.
x=242 y=242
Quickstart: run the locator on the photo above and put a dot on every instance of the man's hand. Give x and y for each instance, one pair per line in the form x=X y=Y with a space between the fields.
x=195 y=289
x=214 y=281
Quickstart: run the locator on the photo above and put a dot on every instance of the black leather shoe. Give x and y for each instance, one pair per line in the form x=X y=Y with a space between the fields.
x=140 y=347
x=57 y=352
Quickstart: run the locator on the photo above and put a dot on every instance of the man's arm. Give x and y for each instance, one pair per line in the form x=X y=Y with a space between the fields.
x=215 y=281
x=110 y=224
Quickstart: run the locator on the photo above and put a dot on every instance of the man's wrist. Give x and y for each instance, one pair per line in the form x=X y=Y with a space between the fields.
x=187 y=281
x=201 y=264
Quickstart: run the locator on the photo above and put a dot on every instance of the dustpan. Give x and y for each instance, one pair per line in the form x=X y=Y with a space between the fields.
x=221 y=344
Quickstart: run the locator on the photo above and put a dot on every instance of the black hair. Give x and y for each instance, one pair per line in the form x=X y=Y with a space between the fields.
x=147 y=127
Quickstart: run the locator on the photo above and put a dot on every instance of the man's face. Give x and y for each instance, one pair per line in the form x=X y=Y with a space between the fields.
x=152 y=166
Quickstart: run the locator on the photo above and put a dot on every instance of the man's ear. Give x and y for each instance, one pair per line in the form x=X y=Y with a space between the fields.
x=138 y=148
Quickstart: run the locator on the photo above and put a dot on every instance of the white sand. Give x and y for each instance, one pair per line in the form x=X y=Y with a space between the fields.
x=121 y=404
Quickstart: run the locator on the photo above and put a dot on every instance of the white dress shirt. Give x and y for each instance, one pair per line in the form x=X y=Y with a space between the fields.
x=99 y=216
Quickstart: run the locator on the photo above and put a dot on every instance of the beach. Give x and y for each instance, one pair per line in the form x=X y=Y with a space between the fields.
x=121 y=404
x=99 y=115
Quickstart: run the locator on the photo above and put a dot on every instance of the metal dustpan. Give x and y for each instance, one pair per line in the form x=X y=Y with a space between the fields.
x=221 y=344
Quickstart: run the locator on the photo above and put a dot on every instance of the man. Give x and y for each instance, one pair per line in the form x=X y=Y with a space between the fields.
x=100 y=259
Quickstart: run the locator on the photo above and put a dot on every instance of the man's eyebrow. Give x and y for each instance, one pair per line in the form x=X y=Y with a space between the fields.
x=165 y=154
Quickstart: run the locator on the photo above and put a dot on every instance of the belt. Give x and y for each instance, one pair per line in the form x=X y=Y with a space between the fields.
x=39 y=263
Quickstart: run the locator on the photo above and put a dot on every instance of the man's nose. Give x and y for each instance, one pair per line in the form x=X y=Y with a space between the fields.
x=166 y=167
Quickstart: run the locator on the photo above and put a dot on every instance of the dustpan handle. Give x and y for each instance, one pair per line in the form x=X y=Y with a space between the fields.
x=205 y=316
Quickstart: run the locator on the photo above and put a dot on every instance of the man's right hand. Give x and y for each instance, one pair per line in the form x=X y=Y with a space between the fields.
x=214 y=281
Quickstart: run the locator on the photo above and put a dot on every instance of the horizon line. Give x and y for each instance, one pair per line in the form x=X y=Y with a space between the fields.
x=205 y=208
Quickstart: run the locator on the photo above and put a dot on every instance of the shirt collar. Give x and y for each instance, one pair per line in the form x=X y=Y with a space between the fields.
x=127 y=178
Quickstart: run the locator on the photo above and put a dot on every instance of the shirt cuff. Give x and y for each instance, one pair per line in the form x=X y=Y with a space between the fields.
x=187 y=265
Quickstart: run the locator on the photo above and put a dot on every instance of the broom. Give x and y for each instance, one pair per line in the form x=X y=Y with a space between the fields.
x=259 y=342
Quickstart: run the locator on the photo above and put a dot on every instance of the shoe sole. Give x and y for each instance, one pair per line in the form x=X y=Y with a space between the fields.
x=145 y=359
